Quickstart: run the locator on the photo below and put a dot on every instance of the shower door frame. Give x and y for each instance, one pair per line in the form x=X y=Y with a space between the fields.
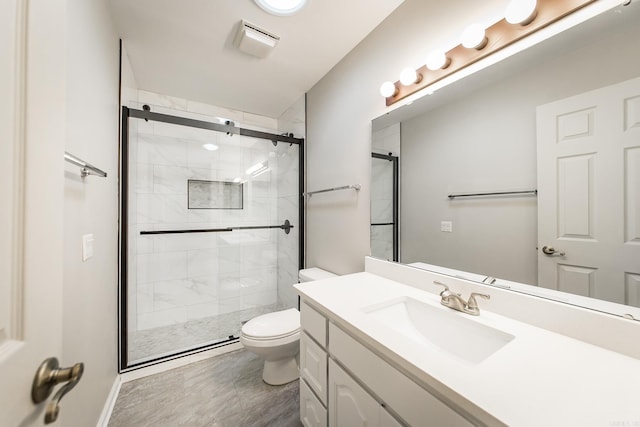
x=396 y=202
x=127 y=113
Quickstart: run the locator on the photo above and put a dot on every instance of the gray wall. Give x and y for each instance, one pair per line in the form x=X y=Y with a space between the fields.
x=487 y=142
x=91 y=206
x=342 y=104
x=340 y=108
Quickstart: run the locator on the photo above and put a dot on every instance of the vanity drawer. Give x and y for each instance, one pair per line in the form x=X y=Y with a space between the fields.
x=313 y=366
x=312 y=413
x=314 y=323
x=413 y=403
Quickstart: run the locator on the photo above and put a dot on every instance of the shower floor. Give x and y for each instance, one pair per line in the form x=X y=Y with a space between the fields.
x=164 y=341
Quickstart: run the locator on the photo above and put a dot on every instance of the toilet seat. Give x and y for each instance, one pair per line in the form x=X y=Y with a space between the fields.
x=273 y=326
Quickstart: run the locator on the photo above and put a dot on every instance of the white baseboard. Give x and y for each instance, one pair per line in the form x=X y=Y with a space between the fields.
x=103 y=421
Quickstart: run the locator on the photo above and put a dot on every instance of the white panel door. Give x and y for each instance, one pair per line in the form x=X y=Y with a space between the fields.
x=349 y=404
x=589 y=193
x=32 y=130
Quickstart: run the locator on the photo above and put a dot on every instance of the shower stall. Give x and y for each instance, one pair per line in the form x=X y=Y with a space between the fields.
x=211 y=224
x=385 y=206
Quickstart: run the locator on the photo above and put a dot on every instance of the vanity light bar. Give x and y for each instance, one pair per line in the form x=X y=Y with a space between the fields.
x=498 y=36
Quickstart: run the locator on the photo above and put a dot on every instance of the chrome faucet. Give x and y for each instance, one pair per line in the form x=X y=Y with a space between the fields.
x=453 y=300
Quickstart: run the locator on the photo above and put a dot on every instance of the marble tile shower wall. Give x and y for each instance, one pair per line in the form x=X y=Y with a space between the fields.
x=291 y=121
x=183 y=277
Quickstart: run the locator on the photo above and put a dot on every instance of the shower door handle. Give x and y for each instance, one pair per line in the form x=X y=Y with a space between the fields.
x=49 y=375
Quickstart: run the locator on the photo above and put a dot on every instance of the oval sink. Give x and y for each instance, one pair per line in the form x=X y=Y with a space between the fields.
x=451 y=331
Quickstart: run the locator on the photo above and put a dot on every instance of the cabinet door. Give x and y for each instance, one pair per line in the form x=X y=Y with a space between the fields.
x=313 y=366
x=349 y=404
x=312 y=413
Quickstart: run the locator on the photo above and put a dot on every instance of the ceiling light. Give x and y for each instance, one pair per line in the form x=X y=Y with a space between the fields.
x=437 y=60
x=210 y=147
x=521 y=12
x=388 y=89
x=409 y=76
x=281 y=7
x=473 y=37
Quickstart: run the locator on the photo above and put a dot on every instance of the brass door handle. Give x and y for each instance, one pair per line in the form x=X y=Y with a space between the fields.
x=49 y=375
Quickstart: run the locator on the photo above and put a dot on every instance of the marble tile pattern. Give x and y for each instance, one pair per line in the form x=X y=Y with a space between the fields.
x=223 y=391
x=147 y=344
x=186 y=281
x=382 y=242
x=384 y=141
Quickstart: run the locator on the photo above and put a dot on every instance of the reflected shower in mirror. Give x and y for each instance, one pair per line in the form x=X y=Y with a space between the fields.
x=562 y=117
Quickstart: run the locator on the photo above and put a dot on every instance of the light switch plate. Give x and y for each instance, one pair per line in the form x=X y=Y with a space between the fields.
x=446 y=226
x=87 y=246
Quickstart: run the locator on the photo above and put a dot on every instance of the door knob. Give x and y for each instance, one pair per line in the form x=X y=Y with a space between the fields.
x=49 y=375
x=550 y=250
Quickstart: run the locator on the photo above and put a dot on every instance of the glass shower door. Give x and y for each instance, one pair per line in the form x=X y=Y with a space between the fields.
x=384 y=206
x=212 y=221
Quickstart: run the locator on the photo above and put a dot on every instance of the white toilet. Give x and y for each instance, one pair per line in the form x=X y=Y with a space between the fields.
x=275 y=337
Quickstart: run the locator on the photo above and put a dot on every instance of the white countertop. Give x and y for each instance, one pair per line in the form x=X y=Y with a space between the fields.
x=540 y=378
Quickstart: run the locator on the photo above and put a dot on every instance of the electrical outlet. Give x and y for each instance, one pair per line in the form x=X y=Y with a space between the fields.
x=446 y=226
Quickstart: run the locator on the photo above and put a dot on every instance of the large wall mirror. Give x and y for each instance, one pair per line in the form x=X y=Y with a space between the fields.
x=558 y=127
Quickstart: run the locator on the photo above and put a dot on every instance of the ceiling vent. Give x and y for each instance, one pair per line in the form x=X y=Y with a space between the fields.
x=254 y=40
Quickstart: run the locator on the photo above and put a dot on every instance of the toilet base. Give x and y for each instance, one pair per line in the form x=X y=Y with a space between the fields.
x=279 y=372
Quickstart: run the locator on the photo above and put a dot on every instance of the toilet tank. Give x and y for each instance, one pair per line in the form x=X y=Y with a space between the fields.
x=314 y=273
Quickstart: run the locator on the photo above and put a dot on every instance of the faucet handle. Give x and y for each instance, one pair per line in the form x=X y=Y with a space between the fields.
x=446 y=288
x=472 y=303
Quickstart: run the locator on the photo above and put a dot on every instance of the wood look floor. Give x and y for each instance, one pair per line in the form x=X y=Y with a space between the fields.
x=224 y=391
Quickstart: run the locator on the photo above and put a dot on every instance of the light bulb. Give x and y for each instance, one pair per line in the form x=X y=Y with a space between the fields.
x=473 y=37
x=409 y=76
x=521 y=12
x=210 y=147
x=437 y=60
x=388 y=89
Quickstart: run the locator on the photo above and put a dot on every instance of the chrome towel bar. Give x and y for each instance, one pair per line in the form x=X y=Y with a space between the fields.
x=344 y=187
x=85 y=168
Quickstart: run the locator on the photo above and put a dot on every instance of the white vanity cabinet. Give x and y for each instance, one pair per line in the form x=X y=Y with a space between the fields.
x=312 y=411
x=344 y=384
x=313 y=367
x=351 y=405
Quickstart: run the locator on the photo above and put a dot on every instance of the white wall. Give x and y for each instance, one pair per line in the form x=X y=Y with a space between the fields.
x=340 y=108
x=91 y=206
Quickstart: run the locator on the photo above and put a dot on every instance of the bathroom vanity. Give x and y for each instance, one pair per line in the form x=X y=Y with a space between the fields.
x=378 y=349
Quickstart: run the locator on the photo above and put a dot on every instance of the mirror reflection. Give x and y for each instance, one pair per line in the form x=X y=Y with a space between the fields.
x=561 y=118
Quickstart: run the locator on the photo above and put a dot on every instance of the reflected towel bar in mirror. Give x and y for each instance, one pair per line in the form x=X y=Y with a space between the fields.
x=499 y=193
x=345 y=187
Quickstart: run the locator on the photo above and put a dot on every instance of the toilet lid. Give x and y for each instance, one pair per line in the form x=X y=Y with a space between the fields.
x=273 y=325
